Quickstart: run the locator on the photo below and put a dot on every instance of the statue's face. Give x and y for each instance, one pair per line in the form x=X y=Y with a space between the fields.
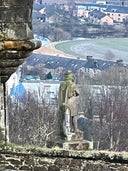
x=68 y=76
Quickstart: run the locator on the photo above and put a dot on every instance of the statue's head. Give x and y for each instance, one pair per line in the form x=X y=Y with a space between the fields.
x=69 y=75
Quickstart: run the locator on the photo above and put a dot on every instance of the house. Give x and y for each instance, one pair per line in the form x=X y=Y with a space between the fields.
x=83 y=8
x=47 y=89
x=117 y=13
x=100 y=18
x=106 y=20
x=58 y=65
x=42 y=90
x=82 y=11
x=117 y=2
x=54 y=62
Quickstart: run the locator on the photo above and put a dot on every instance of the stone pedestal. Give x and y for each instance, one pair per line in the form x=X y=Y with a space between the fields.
x=75 y=141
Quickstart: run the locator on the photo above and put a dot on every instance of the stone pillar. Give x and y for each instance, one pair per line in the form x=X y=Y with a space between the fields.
x=16 y=35
x=16 y=41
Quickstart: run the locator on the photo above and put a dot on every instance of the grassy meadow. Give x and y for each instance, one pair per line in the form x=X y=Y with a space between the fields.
x=111 y=48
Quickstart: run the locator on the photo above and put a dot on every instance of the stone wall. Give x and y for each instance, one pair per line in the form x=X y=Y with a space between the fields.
x=32 y=159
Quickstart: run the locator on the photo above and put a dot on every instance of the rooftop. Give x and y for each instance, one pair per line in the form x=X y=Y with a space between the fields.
x=53 y=62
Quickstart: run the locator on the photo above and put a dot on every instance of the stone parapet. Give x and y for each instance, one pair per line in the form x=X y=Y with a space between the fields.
x=39 y=159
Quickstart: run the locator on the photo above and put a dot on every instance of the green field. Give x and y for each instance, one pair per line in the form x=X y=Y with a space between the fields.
x=98 y=48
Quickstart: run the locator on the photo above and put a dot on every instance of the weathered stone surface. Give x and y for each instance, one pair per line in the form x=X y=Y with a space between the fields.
x=10 y=167
x=26 y=168
x=61 y=160
x=22 y=15
x=16 y=34
x=60 y=163
x=53 y=168
x=14 y=161
x=10 y=63
x=13 y=54
x=40 y=168
x=75 y=141
x=77 y=136
x=15 y=2
x=16 y=40
x=6 y=72
x=76 y=145
x=70 y=163
x=1 y=45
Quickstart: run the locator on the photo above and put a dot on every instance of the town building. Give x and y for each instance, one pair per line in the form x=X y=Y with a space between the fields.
x=117 y=13
x=113 y=12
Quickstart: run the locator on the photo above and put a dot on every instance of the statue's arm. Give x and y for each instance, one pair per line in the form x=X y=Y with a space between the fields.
x=76 y=91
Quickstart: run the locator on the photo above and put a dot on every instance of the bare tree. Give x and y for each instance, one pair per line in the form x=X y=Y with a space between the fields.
x=115 y=75
x=112 y=110
x=31 y=122
x=107 y=102
x=109 y=55
x=84 y=99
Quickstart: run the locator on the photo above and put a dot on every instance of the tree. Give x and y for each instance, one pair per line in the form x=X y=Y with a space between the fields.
x=31 y=122
x=113 y=117
x=115 y=75
x=109 y=55
x=106 y=104
x=86 y=108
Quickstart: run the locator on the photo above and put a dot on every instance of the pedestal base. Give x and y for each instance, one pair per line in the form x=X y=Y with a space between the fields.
x=75 y=141
x=77 y=145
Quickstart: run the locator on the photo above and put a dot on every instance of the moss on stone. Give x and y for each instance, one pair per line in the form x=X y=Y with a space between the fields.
x=110 y=156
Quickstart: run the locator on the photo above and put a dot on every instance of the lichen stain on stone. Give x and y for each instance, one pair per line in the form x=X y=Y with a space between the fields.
x=16 y=45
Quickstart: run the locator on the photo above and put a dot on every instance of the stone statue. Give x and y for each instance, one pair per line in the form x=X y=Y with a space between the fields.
x=67 y=114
